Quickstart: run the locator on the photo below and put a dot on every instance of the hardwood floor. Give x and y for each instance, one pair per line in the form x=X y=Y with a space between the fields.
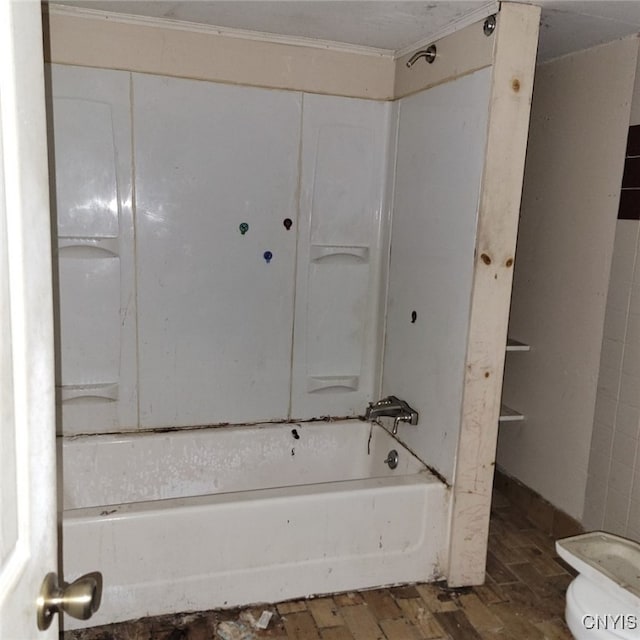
x=522 y=599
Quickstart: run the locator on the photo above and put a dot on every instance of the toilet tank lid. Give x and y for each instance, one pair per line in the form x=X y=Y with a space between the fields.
x=604 y=557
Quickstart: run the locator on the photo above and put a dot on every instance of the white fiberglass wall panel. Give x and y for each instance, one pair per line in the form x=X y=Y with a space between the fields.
x=91 y=135
x=346 y=146
x=216 y=177
x=440 y=157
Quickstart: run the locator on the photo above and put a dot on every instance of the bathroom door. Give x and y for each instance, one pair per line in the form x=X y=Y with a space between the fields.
x=27 y=434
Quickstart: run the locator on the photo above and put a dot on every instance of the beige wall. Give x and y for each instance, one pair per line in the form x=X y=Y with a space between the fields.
x=112 y=41
x=612 y=499
x=579 y=122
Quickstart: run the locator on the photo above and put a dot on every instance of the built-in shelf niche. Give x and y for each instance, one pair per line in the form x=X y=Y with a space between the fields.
x=507 y=414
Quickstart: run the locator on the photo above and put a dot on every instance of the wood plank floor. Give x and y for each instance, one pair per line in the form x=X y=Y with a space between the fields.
x=522 y=599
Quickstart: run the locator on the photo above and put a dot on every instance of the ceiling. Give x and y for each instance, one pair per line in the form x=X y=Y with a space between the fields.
x=566 y=25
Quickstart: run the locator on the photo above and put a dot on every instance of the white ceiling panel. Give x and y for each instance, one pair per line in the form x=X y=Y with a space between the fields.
x=566 y=26
x=372 y=23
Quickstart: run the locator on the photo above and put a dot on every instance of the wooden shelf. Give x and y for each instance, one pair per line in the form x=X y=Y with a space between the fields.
x=507 y=414
x=515 y=345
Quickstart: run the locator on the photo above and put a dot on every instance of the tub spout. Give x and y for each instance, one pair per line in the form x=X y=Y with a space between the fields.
x=392 y=407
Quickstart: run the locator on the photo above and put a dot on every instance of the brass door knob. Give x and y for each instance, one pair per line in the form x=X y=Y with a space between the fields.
x=80 y=599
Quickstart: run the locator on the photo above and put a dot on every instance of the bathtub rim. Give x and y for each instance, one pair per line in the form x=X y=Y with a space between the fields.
x=147 y=507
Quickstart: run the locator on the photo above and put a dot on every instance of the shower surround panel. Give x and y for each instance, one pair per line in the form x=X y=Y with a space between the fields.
x=442 y=137
x=214 y=314
x=93 y=207
x=260 y=219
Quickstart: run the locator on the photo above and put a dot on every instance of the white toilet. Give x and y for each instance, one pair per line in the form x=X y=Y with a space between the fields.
x=603 y=602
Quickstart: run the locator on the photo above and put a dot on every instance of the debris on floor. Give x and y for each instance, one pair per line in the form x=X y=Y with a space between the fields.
x=261 y=623
x=234 y=631
x=264 y=619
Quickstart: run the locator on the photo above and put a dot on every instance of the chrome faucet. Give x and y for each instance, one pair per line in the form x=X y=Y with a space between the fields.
x=392 y=407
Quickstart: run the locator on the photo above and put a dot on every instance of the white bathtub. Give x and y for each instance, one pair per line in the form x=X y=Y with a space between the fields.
x=208 y=518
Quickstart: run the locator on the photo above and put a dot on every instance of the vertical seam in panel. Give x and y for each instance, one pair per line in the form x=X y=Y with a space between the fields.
x=387 y=250
x=134 y=217
x=297 y=198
